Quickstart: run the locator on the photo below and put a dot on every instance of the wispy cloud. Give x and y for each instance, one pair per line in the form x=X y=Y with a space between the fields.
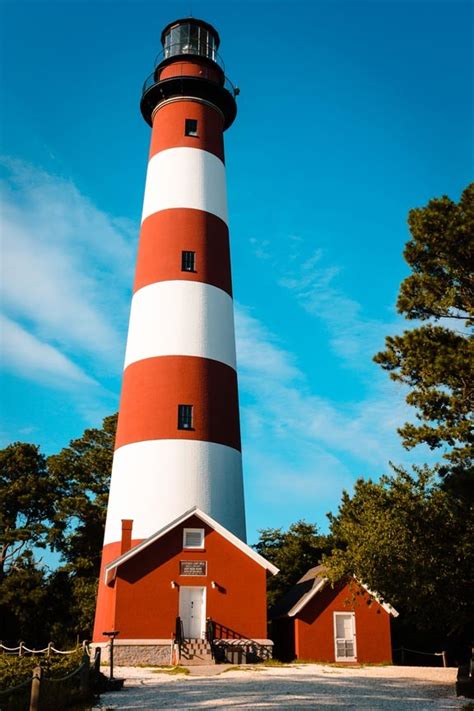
x=286 y=408
x=301 y=448
x=66 y=275
x=25 y=355
x=353 y=335
x=258 y=350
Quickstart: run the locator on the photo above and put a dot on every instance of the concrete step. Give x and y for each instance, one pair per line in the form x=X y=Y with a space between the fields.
x=195 y=652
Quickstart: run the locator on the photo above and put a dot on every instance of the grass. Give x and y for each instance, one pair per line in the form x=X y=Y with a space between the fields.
x=340 y=665
x=468 y=707
x=259 y=666
x=296 y=662
x=145 y=666
x=171 y=670
x=14 y=670
x=273 y=663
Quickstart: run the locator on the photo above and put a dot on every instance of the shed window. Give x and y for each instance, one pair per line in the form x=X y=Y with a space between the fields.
x=185 y=417
x=193 y=538
x=188 y=261
x=191 y=127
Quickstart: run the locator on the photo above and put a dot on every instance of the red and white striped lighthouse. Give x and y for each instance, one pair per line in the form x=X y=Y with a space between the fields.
x=178 y=437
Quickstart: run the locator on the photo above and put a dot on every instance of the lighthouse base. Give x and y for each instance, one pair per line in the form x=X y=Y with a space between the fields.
x=163 y=652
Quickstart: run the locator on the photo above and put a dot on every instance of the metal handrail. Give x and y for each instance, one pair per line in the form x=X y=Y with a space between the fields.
x=206 y=73
x=179 y=634
x=210 y=630
x=210 y=635
x=178 y=48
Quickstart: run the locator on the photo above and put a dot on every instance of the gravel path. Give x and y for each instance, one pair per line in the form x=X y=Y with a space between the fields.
x=305 y=686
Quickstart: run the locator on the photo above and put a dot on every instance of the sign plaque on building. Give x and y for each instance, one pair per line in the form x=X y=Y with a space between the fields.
x=192 y=567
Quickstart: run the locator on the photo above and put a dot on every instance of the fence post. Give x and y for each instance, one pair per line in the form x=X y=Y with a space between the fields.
x=20 y=649
x=402 y=656
x=84 y=678
x=111 y=635
x=97 y=660
x=111 y=658
x=48 y=653
x=443 y=655
x=35 y=689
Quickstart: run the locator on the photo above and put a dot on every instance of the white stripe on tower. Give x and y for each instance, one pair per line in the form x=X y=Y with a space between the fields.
x=162 y=466
x=181 y=318
x=185 y=177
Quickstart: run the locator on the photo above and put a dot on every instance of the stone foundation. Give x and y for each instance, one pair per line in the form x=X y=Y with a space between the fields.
x=131 y=652
x=157 y=652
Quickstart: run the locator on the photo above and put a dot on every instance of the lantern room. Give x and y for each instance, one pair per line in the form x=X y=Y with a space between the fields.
x=190 y=36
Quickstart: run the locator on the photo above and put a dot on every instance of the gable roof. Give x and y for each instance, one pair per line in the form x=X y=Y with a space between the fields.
x=111 y=568
x=312 y=582
x=300 y=594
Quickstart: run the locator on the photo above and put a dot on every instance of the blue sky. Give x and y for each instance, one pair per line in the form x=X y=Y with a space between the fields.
x=350 y=113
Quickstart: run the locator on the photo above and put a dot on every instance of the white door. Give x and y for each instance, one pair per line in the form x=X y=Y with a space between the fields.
x=192 y=610
x=345 y=637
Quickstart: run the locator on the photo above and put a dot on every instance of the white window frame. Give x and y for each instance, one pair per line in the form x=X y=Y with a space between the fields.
x=193 y=530
x=345 y=659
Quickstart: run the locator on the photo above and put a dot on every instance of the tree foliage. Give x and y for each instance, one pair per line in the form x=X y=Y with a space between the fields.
x=436 y=360
x=407 y=538
x=58 y=502
x=27 y=497
x=410 y=536
x=441 y=255
x=82 y=470
x=293 y=551
x=23 y=600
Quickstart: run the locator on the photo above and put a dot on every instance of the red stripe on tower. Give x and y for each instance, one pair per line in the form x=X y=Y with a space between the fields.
x=201 y=233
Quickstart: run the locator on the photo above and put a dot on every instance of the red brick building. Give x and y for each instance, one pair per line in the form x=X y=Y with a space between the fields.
x=193 y=569
x=345 y=623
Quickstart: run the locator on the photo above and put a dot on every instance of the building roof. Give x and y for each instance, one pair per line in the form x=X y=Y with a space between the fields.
x=296 y=597
x=111 y=568
x=309 y=585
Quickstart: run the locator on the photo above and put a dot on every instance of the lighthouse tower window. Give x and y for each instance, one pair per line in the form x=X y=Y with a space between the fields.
x=185 y=417
x=190 y=127
x=188 y=261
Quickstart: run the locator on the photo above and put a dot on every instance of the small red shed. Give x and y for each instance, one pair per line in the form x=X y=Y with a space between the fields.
x=194 y=569
x=345 y=623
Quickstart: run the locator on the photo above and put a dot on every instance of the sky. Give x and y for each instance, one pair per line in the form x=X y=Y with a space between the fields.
x=350 y=114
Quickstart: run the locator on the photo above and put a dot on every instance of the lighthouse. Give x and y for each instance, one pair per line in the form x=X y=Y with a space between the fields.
x=174 y=543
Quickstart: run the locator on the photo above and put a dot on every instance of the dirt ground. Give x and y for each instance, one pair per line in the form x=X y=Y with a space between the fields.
x=299 y=686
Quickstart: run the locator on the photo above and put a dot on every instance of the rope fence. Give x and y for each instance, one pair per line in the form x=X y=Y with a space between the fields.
x=402 y=651
x=23 y=649
x=56 y=692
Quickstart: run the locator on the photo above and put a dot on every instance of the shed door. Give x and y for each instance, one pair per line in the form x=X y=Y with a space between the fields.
x=345 y=637
x=192 y=610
